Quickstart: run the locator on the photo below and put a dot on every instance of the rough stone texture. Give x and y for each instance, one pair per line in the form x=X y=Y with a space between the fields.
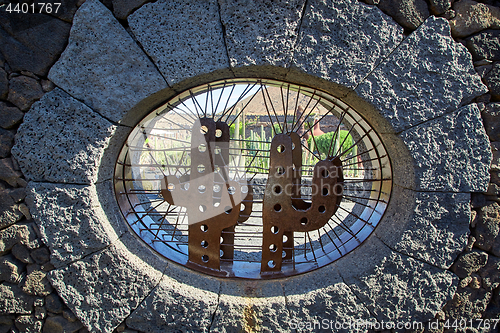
x=59 y=324
x=491 y=121
x=395 y=287
x=195 y=44
x=123 y=8
x=14 y=300
x=490 y=273
x=487 y=224
x=17 y=194
x=436 y=232
x=472 y=17
x=492 y=80
x=102 y=66
x=182 y=301
x=409 y=13
x=104 y=288
x=41 y=255
x=70 y=219
x=47 y=85
x=467 y=303
x=9 y=210
x=426 y=76
x=24 y=91
x=9 y=116
x=63 y=138
x=28 y=324
x=7 y=172
x=10 y=269
x=451 y=153
x=485 y=45
x=439 y=7
x=6 y=142
x=495 y=249
x=482 y=71
x=36 y=283
x=251 y=306
x=4 y=84
x=315 y=302
x=469 y=262
x=22 y=253
x=343 y=41
x=54 y=304
x=25 y=43
x=260 y=33
x=17 y=233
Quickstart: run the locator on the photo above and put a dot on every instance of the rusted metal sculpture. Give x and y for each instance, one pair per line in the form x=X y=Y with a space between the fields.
x=284 y=212
x=213 y=201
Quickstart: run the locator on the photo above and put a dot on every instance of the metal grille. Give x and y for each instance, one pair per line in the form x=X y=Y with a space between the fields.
x=227 y=142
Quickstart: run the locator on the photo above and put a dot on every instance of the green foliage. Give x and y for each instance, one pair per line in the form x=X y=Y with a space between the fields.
x=324 y=141
x=232 y=127
x=277 y=129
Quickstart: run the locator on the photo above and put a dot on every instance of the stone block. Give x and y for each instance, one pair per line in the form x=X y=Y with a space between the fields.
x=322 y=295
x=469 y=262
x=394 y=287
x=439 y=7
x=104 y=288
x=103 y=66
x=24 y=91
x=6 y=142
x=26 y=44
x=4 y=84
x=251 y=306
x=14 y=300
x=70 y=219
x=17 y=233
x=264 y=39
x=472 y=17
x=9 y=210
x=485 y=45
x=183 y=38
x=495 y=161
x=490 y=273
x=22 y=253
x=491 y=121
x=451 y=153
x=343 y=41
x=492 y=80
x=59 y=324
x=36 y=283
x=10 y=116
x=63 y=138
x=10 y=269
x=122 y=8
x=409 y=13
x=8 y=173
x=467 y=303
x=428 y=75
x=53 y=303
x=41 y=255
x=28 y=324
x=435 y=233
x=183 y=301
x=487 y=226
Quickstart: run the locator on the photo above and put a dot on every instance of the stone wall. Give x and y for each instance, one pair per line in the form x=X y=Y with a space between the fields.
x=29 y=303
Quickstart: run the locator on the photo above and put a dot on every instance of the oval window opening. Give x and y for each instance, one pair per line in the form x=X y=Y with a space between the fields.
x=252 y=137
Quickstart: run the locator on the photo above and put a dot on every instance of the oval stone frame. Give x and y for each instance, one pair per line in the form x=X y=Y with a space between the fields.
x=414 y=90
